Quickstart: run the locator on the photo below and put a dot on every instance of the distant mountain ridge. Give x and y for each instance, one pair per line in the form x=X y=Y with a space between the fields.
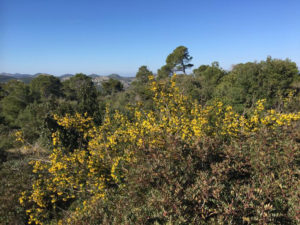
x=16 y=75
x=97 y=79
x=5 y=77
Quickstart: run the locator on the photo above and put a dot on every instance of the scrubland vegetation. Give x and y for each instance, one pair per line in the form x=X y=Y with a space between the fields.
x=210 y=147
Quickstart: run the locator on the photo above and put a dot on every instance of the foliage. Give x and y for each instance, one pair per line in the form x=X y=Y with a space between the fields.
x=214 y=147
x=178 y=60
x=178 y=163
x=246 y=83
x=2 y=92
x=32 y=121
x=209 y=77
x=81 y=89
x=16 y=176
x=16 y=97
x=112 y=86
x=142 y=75
x=44 y=87
x=6 y=141
x=164 y=72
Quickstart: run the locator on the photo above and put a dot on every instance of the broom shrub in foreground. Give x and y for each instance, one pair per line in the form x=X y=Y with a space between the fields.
x=180 y=163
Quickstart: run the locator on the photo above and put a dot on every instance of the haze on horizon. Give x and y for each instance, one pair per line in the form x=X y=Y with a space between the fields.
x=102 y=37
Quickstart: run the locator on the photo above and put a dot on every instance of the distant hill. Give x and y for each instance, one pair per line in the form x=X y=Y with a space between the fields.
x=5 y=77
x=94 y=75
x=16 y=75
x=97 y=79
x=114 y=76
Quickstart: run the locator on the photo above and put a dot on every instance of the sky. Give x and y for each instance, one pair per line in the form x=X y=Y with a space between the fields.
x=119 y=36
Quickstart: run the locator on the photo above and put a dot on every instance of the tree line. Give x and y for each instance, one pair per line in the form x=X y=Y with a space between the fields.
x=29 y=107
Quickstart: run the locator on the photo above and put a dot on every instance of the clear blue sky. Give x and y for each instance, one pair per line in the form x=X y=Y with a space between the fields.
x=118 y=36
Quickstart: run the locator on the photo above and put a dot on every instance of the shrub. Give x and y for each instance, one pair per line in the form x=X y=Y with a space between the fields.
x=16 y=176
x=179 y=163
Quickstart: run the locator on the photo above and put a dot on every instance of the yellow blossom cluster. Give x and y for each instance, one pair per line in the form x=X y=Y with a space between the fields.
x=88 y=173
x=19 y=136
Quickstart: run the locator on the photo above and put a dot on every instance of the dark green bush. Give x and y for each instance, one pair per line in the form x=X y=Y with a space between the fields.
x=16 y=176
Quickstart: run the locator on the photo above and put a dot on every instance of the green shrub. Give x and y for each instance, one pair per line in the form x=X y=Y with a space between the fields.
x=16 y=176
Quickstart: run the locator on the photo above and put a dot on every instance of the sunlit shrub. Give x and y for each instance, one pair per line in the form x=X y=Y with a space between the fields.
x=181 y=163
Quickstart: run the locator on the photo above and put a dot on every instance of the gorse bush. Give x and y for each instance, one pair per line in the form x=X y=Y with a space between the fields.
x=178 y=163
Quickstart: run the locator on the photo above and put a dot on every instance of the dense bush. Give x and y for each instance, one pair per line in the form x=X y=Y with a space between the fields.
x=253 y=181
x=248 y=82
x=16 y=177
x=178 y=163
